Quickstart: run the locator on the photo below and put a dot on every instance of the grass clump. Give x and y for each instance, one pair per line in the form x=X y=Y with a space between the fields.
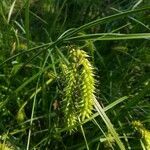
x=48 y=90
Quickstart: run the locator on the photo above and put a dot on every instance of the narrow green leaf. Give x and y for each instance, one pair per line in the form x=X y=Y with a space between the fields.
x=104 y=20
x=109 y=36
x=108 y=124
x=11 y=10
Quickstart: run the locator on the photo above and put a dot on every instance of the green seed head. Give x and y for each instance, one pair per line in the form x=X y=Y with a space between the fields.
x=80 y=88
x=144 y=133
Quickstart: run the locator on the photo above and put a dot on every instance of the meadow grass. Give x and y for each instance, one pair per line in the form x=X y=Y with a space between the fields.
x=74 y=74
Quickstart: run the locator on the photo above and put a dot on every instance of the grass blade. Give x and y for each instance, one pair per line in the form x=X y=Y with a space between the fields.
x=104 y=20
x=11 y=10
x=110 y=36
x=108 y=124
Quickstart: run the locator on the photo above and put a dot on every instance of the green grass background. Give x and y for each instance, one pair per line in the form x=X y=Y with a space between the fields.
x=34 y=40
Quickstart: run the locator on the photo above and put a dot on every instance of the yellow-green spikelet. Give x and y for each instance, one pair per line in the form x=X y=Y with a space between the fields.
x=144 y=132
x=4 y=146
x=86 y=83
x=80 y=88
x=68 y=109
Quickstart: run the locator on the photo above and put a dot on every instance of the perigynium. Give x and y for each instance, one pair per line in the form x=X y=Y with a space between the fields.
x=79 y=90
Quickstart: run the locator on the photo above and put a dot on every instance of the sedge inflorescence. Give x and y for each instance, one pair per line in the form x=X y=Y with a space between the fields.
x=145 y=134
x=79 y=90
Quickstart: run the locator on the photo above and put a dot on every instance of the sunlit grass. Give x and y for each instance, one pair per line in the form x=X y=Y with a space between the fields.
x=36 y=38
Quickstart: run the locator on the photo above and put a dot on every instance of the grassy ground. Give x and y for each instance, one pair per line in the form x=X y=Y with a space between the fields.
x=74 y=74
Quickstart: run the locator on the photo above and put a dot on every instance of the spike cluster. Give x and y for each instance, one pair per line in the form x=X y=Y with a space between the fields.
x=79 y=91
x=144 y=132
x=6 y=146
